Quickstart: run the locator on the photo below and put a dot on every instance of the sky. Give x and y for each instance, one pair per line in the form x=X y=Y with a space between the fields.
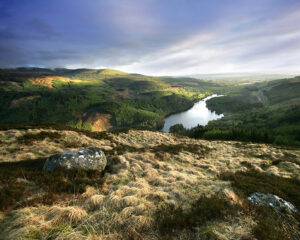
x=154 y=37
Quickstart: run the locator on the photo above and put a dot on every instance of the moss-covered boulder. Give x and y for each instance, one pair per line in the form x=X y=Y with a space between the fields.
x=88 y=159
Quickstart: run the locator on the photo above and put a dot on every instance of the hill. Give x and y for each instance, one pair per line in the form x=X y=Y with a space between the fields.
x=156 y=186
x=103 y=99
x=261 y=112
x=94 y=99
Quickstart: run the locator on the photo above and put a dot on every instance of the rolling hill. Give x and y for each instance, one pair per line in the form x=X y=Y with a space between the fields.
x=272 y=106
x=94 y=99
x=156 y=185
x=103 y=99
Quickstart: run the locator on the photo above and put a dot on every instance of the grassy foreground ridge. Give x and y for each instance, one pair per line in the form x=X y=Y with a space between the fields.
x=156 y=186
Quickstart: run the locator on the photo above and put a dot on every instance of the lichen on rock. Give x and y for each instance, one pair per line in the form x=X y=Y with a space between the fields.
x=88 y=159
x=272 y=201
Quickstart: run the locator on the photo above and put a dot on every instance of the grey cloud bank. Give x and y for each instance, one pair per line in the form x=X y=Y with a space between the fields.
x=153 y=37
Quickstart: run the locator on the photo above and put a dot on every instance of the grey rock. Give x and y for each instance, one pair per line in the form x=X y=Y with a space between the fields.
x=88 y=159
x=272 y=201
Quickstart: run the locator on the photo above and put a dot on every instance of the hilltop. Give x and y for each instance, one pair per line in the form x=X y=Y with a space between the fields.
x=156 y=186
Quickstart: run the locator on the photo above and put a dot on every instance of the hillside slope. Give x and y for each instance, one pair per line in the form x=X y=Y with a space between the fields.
x=272 y=107
x=151 y=189
x=94 y=99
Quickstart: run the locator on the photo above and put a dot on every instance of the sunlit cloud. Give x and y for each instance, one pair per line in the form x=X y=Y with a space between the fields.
x=153 y=37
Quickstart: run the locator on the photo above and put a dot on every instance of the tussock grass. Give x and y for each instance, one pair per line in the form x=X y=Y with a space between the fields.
x=53 y=186
x=179 y=148
x=252 y=181
x=94 y=202
x=19 y=145
x=89 y=192
x=70 y=214
x=58 y=127
x=122 y=148
x=152 y=180
x=29 y=138
x=270 y=223
x=170 y=218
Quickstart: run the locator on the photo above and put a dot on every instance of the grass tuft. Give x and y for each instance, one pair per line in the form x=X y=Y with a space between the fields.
x=271 y=224
x=29 y=138
x=55 y=185
x=252 y=181
x=169 y=218
x=178 y=148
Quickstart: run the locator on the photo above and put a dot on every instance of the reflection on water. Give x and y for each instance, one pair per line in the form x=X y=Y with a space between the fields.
x=198 y=114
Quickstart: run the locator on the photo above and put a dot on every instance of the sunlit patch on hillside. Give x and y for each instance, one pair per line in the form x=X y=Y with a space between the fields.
x=48 y=81
x=99 y=121
x=172 y=89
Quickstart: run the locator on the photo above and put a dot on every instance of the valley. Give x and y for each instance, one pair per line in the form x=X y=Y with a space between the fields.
x=105 y=99
x=194 y=184
x=267 y=111
x=76 y=97
x=149 y=120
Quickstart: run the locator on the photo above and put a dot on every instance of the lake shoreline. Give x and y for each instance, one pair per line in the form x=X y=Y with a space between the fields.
x=197 y=114
x=186 y=109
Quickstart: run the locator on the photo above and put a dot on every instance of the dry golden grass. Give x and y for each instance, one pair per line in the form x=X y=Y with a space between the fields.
x=137 y=183
x=89 y=191
x=100 y=122
x=48 y=81
x=232 y=229
x=94 y=202
x=12 y=150
x=172 y=89
x=72 y=214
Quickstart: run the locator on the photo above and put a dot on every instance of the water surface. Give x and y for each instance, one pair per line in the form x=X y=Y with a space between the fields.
x=198 y=114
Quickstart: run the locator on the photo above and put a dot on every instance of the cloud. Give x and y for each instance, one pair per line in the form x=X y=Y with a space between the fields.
x=241 y=46
x=40 y=28
x=153 y=37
